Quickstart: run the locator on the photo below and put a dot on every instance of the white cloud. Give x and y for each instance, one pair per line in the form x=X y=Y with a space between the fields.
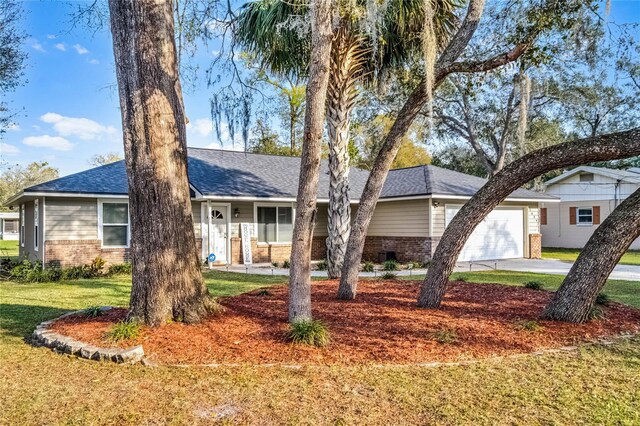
x=13 y=127
x=6 y=149
x=94 y=61
x=60 y=46
x=37 y=46
x=80 y=49
x=51 y=36
x=201 y=126
x=82 y=128
x=45 y=141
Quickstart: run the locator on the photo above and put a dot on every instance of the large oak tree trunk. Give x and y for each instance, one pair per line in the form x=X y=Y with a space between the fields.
x=306 y=208
x=393 y=140
x=346 y=59
x=167 y=279
x=601 y=148
x=588 y=275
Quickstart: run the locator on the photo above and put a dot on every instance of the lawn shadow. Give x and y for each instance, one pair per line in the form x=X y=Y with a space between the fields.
x=21 y=320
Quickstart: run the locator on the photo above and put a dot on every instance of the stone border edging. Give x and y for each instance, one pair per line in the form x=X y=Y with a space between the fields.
x=43 y=336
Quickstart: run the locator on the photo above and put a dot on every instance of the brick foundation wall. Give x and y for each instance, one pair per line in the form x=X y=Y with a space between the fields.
x=535 y=246
x=66 y=253
x=260 y=253
x=407 y=249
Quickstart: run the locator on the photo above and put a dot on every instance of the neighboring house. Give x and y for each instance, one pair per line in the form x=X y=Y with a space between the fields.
x=9 y=225
x=587 y=196
x=73 y=219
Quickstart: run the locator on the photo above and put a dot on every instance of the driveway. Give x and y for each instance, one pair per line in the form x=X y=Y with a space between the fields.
x=543 y=266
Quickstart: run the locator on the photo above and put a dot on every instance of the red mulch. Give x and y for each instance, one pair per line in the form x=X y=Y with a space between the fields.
x=383 y=325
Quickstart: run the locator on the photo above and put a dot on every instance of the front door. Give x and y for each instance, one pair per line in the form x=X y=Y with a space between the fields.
x=218 y=234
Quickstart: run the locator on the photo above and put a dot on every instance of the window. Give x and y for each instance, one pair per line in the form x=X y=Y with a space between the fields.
x=36 y=221
x=586 y=177
x=115 y=225
x=10 y=226
x=585 y=216
x=22 y=225
x=275 y=224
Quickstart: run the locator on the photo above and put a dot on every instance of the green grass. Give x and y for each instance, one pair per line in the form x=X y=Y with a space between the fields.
x=632 y=257
x=8 y=248
x=627 y=292
x=597 y=385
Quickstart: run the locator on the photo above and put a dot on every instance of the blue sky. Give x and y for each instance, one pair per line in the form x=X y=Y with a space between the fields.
x=69 y=109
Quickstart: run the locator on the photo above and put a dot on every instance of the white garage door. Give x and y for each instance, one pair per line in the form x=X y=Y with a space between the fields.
x=499 y=236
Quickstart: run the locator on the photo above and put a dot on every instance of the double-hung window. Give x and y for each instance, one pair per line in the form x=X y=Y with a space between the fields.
x=585 y=216
x=115 y=224
x=275 y=224
x=36 y=225
x=22 y=228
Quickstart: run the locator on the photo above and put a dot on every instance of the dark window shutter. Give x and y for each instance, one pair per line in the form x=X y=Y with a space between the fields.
x=543 y=216
x=596 y=215
x=572 y=215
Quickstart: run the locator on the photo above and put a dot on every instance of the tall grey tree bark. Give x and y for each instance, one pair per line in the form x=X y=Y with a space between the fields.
x=167 y=279
x=445 y=65
x=575 y=298
x=346 y=64
x=583 y=151
x=306 y=207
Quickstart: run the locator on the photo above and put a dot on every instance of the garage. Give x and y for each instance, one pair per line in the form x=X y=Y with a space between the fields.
x=499 y=236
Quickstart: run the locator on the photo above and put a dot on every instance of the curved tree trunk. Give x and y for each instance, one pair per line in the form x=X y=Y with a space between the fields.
x=167 y=279
x=588 y=275
x=393 y=140
x=583 y=151
x=300 y=272
x=346 y=61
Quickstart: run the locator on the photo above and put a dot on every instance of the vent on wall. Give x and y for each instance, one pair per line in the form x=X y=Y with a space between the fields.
x=586 y=177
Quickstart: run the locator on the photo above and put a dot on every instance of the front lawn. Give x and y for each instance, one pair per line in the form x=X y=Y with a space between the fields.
x=596 y=385
x=8 y=248
x=632 y=257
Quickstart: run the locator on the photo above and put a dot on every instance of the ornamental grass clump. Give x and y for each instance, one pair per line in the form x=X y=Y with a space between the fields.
x=93 y=311
x=390 y=265
x=602 y=299
x=445 y=336
x=309 y=332
x=389 y=276
x=368 y=267
x=529 y=325
x=534 y=285
x=124 y=330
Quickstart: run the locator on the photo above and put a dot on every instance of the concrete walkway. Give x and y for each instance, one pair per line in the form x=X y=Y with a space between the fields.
x=543 y=266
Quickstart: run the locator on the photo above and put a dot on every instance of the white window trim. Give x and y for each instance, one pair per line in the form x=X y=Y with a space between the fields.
x=36 y=224
x=100 y=224
x=255 y=222
x=22 y=227
x=578 y=223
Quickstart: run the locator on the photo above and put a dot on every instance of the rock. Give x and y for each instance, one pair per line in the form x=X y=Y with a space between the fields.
x=133 y=355
x=88 y=351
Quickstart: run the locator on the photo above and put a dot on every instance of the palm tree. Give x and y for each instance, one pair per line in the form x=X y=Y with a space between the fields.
x=362 y=51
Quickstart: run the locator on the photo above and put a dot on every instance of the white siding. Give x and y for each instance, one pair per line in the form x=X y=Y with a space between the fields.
x=560 y=233
x=534 y=220
x=71 y=219
x=602 y=188
x=196 y=211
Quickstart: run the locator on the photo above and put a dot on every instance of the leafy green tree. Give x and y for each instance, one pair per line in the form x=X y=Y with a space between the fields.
x=12 y=56
x=102 y=159
x=16 y=178
x=266 y=141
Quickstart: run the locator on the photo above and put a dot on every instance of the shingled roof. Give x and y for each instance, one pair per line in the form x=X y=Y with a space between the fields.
x=223 y=173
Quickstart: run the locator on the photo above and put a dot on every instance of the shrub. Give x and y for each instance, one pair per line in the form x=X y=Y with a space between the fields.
x=309 y=332
x=322 y=265
x=124 y=330
x=97 y=264
x=388 y=276
x=93 y=311
x=534 y=285
x=368 y=267
x=602 y=299
x=120 y=269
x=286 y=264
x=595 y=313
x=390 y=265
x=275 y=264
x=445 y=336
x=263 y=292
x=529 y=325
x=426 y=264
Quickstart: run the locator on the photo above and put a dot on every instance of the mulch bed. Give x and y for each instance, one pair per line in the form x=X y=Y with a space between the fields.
x=383 y=325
